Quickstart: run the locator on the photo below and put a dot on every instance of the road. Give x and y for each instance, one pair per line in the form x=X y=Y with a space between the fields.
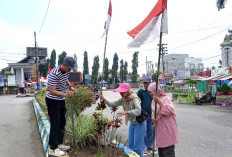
x=204 y=131
x=19 y=132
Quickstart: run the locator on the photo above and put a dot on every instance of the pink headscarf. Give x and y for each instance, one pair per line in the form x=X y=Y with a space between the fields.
x=164 y=98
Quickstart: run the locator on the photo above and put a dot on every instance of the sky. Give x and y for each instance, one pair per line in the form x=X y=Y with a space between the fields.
x=196 y=27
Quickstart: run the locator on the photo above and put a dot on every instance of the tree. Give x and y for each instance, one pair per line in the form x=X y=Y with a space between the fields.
x=53 y=59
x=220 y=4
x=121 y=72
x=135 y=63
x=111 y=78
x=75 y=58
x=95 y=69
x=85 y=64
x=220 y=62
x=106 y=69
x=125 y=71
x=154 y=76
x=43 y=68
x=115 y=67
x=61 y=57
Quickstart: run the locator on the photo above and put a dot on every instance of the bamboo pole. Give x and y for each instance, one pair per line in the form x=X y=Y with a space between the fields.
x=156 y=91
x=104 y=61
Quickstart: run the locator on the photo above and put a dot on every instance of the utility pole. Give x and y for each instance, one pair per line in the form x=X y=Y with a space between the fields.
x=163 y=52
x=227 y=57
x=37 y=62
x=146 y=66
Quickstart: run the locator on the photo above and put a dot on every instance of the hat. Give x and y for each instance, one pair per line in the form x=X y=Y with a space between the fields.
x=146 y=79
x=124 y=87
x=70 y=62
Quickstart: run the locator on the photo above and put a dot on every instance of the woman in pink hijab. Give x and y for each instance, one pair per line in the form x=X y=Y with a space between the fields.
x=166 y=127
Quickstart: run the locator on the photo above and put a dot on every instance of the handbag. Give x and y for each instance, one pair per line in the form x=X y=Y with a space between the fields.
x=142 y=117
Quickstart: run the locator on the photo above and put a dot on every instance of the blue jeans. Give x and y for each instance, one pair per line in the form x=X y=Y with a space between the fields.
x=148 y=134
x=136 y=138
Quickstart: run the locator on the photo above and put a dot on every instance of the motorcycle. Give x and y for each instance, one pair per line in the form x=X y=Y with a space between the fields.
x=206 y=98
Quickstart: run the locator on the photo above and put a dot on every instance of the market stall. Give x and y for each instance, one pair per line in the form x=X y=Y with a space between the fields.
x=224 y=90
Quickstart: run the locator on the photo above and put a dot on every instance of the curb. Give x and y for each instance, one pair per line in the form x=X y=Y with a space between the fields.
x=43 y=124
x=44 y=129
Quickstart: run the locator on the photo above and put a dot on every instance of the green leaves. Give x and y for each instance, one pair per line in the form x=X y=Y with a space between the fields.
x=83 y=128
x=82 y=99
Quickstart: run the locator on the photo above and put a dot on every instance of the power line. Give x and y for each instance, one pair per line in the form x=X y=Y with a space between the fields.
x=7 y=60
x=16 y=47
x=44 y=17
x=200 y=39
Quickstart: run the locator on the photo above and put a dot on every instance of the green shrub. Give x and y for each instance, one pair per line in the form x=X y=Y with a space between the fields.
x=40 y=97
x=225 y=88
x=82 y=100
x=84 y=129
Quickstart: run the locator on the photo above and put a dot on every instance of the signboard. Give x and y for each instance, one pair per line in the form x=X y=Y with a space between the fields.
x=42 y=52
x=2 y=81
x=75 y=78
x=11 y=80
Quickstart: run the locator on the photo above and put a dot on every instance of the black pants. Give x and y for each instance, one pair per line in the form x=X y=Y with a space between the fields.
x=167 y=151
x=56 y=112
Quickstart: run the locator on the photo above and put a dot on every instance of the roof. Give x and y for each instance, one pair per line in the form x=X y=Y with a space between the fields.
x=25 y=60
x=218 y=77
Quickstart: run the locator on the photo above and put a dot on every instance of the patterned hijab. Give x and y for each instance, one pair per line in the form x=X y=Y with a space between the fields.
x=164 y=98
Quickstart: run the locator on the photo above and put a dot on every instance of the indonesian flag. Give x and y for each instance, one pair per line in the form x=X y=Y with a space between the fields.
x=107 y=23
x=49 y=68
x=149 y=29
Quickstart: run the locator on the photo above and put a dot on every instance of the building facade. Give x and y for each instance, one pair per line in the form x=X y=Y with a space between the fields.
x=182 y=66
x=226 y=50
x=22 y=71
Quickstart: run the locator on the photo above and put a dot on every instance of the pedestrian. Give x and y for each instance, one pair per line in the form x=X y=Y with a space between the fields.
x=132 y=108
x=165 y=123
x=146 y=100
x=55 y=100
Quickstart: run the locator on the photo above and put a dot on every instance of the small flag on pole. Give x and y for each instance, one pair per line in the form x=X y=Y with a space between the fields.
x=149 y=29
x=107 y=23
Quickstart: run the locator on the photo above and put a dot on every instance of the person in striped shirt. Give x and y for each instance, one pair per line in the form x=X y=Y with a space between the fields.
x=55 y=100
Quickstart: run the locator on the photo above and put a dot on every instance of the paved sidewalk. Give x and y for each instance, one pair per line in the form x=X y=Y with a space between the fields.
x=18 y=128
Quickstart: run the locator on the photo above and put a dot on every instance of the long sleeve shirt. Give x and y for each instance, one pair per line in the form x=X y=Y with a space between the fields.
x=146 y=100
x=166 y=126
x=135 y=108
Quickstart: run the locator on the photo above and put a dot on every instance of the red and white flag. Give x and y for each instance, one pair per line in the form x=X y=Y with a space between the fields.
x=107 y=23
x=149 y=29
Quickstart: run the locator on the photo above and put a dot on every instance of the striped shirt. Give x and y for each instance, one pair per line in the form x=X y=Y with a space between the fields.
x=58 y=80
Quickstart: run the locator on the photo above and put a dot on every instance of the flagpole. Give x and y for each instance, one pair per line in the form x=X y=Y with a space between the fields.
x=104 y=61
x=156 y=91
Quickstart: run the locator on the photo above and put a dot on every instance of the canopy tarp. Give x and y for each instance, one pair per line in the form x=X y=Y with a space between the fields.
x=104 y=82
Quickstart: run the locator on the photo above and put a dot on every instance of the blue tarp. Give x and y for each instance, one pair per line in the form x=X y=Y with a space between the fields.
x=220 y=82
x=103 y=82
x=163 y=84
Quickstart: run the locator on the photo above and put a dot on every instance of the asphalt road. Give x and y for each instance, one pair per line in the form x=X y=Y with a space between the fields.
x=19 y=134
x=204 y=131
